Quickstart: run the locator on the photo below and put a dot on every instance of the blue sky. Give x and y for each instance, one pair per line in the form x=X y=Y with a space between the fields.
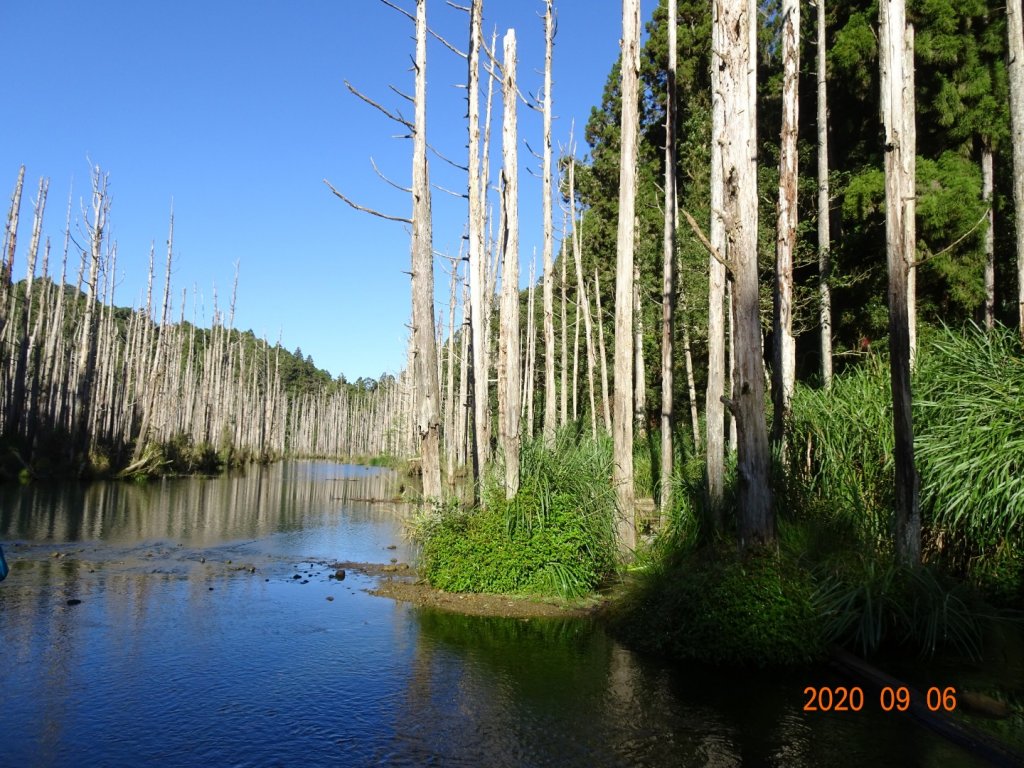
x=237 y=111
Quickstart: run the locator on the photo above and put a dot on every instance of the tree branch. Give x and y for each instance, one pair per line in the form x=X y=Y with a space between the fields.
x=705 y=242
x=364 y=209
x=396 y=117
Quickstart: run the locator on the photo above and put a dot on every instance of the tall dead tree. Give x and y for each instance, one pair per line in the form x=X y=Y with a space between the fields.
x=668 y=285
x=784 y=367
x=428 y=420
x=897 y=103
x=508 y=349
x=987 y=177
x=477 y=253
x=550 y=393
x=622 y=418
x=736 y=22
x=1015 y=68
x=824 y=206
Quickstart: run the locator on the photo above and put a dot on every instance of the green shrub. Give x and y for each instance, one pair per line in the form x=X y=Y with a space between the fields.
x=715 y=605
x=554 y=538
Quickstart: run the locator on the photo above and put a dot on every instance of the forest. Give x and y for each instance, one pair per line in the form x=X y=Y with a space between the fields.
x=766 y=381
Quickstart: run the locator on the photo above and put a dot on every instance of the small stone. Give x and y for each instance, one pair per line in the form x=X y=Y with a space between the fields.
x=296 y=576
x=340 y=574
x=202 y=559
x=330 y=598
x=252 y=569
x=392 y=546
x=304 y=581
x=394 y=559
x=74 y=601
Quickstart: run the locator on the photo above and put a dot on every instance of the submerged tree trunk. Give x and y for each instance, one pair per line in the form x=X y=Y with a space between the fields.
x=508 y=348
x=824 y=231
x=737 y=24
x=1015 y=66
x=428 y=421
x=622 y=418
x=897 y=100
x=784 y=367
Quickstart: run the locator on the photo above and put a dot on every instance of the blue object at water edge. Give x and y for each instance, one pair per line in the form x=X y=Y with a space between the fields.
x=3 y=565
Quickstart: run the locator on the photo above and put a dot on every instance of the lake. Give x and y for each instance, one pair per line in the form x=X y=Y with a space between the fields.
x=195 y=644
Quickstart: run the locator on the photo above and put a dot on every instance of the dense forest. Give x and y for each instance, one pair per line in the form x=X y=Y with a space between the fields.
x=769 y=367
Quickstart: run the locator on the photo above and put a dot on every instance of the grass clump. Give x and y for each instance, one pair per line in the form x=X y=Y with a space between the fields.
x=555 y=538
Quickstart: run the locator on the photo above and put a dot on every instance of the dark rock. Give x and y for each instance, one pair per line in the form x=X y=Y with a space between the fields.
x=297 y=576
x=211 y=589
x=394 y=559
x=304 y=581
x=340 y=574
x=330 y=598
x=74 y=601
x=391 y=546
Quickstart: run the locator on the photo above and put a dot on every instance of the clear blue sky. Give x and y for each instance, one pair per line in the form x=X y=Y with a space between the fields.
x=237 y=111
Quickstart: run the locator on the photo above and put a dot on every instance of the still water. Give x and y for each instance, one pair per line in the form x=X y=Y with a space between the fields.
x=194 y=644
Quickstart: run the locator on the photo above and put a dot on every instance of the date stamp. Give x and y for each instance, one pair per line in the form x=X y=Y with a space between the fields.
x=844 y=699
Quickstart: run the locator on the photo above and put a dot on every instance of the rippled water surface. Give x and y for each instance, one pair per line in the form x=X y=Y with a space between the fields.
x=194 y=644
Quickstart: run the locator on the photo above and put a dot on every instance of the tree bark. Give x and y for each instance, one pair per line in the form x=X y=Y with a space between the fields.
x=550 y=393
x=428 y=422
x=508 y=349
x=987 y=176
x=784 y=368
x=737 y=21
x=1015 y=67
x=896 y=100
x=668 y=284
x=622 y=418
x=824 y=206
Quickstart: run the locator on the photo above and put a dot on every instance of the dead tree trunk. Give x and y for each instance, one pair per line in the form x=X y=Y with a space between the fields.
x=428 y=422
x=824 y=206
x=550 y=394
x=784 y=368
x=1015 y=67
x=622 y=420
x=987 y=176
x=668 y=285
x=737 y=24
x=508 y=348
x=896 y=101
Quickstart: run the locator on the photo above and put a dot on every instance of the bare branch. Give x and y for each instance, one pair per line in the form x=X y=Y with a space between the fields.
x=458 y=7
x=397 y=186
x=450 y=162
x=397 y=118
x=365 y=209
x=439 y=188
x=705 y=242
x=929 y=256
x=447 y=45
x=400 y=10
x=405 y=96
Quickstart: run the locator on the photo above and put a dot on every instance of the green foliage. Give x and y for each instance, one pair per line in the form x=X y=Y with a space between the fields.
x=884 y=603
x=554 y=538
x=715 y=605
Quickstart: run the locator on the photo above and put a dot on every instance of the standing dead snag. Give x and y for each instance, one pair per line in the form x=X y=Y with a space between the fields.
x=736 y=27
x=668 y=290
x=1015 y=69
x=897 y=100
x=508 y=349
x=550 y=406
x=784 y=358
x=824 y=231
x=622 y=418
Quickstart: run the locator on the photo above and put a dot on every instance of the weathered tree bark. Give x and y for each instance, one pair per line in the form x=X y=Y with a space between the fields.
x=603 y=355
x=736 y=21
x=477 y=266
x=896 y=100
x=824 y=206
x=582 y=299
x=550 y=393
x=784 y=367
x=10 y=243
x=508 y=347
x=668 y=285
x=639 y=366
x=428 y=422
x=987 y=176
x=1015 y=68
x=714 y=411
x=909 y=160
x=622 y=418
x=563 y=416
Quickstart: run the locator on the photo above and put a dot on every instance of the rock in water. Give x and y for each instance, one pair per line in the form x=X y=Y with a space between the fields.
x=74 y=601
x=340 y=574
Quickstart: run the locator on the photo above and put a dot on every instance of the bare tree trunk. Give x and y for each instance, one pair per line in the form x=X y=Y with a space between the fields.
x=987 y=176
x=564 y=394
x=668 y=285
x=737 y=23
x=784 y=368
x=639 y=367
x=477 y=256
x=508 y=348
x=582 y=299
x=550 y=403
x=605 y=399
x=896 y=100
x=909 y=160
x=1015 y=67
x=10 y=243
x=622 y=422
x=427 y=416
x=824 y=206
x=714 y=411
